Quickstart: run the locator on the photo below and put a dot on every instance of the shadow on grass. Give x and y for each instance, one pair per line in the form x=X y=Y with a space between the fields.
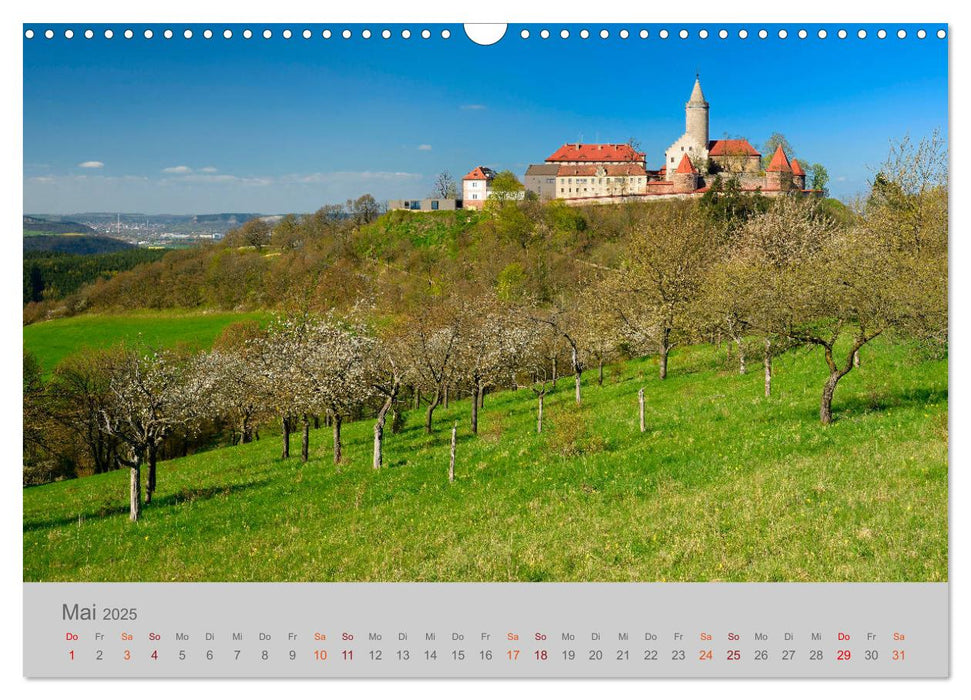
x=864 y=402
x=185 y=495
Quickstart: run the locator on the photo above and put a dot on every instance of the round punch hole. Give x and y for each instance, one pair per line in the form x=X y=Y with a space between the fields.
x=584 y=34
x=88 y=34
x=545 y=34
x=822 y=34
x=703 y=34
x=624 y=33
x=306 y=34
x=901 y=33
x=129 y=33
x=247 y=33
x=861 y=33
x=227 y=34
x=68 y=33
x=49 y=34
x=881 y=34
x=287 y=34
x=405 y=33
x=643 y=34
x=565 y=34
x=168 y=34
x=326 y=34
x=524 y=34
x=921 y=34
x=683 y=34
x=803 y=34
x=663 y=33
x=187 y=33
x=425 y=34
x=386 y=34
x=941 y=34
x=446 y=34
x=366 y=34
x=841 y=34
x=722 y=33
x=29 y=34
x=109 y=34
x=743 y=34
x=783 y=34
x=207 y=34
x=346 y=33
x=763 y=34
x=148 y=34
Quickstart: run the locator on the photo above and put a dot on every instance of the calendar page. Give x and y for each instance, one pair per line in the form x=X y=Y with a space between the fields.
x=544 y=350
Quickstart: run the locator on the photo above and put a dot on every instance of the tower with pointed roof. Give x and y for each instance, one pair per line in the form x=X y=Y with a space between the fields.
x=696 y=116
x=778 y=176
x=694 y=141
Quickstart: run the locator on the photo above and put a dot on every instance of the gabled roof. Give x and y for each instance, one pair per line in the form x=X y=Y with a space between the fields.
x=779 y=162
x=731 y=147
x=685 y=165
x=796 y=168
x=481 y=173
x=596 y=152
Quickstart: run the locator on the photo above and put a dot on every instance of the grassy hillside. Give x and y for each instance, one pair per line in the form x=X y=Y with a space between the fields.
x=725 y=485
x=52 y=341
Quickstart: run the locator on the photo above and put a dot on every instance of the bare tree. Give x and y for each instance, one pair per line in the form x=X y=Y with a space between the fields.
x=444 y=186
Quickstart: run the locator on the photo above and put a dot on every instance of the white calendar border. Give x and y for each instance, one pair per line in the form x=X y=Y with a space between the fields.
x=493 y=11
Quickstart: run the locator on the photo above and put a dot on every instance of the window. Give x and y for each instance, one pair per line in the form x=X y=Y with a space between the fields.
x=434 y=205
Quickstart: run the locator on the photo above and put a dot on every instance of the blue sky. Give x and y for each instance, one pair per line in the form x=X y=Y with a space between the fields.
x=194 y=126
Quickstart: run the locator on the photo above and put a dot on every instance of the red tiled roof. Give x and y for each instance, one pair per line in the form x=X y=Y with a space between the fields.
x=590 y=170
x=685 y=165
x=731 y=147
x=660 y=183
x=596 y=152
x=480 y=173
x=779 y=163
x=796 y=168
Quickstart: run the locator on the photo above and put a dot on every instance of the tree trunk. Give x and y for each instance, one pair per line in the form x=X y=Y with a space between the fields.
x=640 y=402
x=856 y=358
x=246 y=431
x=316 y=422
x=475 y=408
x=417 y=398
x=135 y=490
x=445 y=403
x=741 y=356
x=663 y=363
x=577 y=371
x=432 y=405
x=305 y=442
x=338 y=419
x=379 y=432
x=767 y=361
x=539 y=416
x=482 y=393
x=826 y=404
x=286 y=439
x=451 y=462
x=600 y=372
x=555 y=376
x=152 y=462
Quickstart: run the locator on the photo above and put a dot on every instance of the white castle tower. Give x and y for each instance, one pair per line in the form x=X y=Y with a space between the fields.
x=694 y=141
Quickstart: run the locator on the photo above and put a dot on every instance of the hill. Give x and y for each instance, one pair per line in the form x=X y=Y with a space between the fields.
x=75 y=243
x=34 y=226
x=55 y=275
x=724 y=485
x=52 y=341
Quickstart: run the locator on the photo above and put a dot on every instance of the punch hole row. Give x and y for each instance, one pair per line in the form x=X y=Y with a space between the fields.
x=446 y=34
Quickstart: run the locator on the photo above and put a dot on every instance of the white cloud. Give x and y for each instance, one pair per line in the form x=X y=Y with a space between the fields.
x=208 y=169
x=91 y=164
x=425 y=147
x=177 y=170
x=472 y=107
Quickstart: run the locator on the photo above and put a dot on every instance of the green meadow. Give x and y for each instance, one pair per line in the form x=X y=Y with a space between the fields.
x=52 y=341
x=725 y=484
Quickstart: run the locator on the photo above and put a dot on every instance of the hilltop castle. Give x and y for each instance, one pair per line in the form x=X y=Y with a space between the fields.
x=583 y=172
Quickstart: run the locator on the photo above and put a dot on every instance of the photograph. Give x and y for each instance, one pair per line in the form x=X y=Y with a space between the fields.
x=585 y=303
